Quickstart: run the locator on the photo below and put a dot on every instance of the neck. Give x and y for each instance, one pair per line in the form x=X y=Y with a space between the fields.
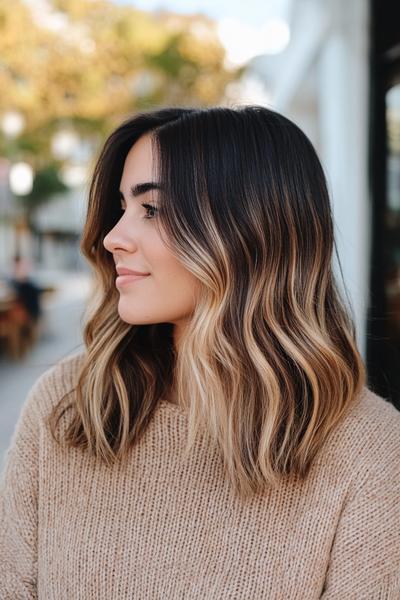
x=170 y=396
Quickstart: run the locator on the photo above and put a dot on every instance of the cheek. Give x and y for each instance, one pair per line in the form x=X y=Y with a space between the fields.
x=168 y=271
x=158 y=255
x=176 y=283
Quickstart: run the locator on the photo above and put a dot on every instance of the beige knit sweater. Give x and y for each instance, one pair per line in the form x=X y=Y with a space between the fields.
x=160 y=527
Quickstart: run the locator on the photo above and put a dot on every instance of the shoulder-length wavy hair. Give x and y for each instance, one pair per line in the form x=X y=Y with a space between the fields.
x=268 y=363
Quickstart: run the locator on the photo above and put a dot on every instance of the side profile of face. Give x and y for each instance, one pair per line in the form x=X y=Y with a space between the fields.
x=167 y=294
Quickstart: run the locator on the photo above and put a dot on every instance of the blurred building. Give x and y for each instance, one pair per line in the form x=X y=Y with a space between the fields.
x=58 y=229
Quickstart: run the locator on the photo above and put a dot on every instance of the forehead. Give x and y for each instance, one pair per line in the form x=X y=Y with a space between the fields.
x=139 y=164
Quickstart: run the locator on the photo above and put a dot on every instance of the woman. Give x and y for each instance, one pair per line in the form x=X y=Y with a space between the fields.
x=217 y=438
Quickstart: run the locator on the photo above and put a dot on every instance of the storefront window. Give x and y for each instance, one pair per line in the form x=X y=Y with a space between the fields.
x=392 y=215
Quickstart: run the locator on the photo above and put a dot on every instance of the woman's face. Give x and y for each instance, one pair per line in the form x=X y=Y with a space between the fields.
x=167 y=294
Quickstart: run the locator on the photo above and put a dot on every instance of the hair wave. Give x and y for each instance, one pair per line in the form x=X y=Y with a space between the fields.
x=268 y=363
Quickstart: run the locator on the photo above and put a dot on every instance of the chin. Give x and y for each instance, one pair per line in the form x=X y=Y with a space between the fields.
x=132 y=320
x=135 y=319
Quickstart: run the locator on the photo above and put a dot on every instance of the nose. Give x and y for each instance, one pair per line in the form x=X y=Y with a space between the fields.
x=120 y=238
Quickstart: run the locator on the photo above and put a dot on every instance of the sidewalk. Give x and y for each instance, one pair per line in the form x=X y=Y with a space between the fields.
x=62 y=335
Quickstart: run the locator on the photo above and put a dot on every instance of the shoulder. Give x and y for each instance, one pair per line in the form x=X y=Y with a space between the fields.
x=52 y=385
x=367 y=534
x=367 y=440
x=371 y=416
x=65 y=371
x=44 y=395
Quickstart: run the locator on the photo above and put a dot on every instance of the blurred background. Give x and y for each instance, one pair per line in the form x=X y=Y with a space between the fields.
x=72 y=70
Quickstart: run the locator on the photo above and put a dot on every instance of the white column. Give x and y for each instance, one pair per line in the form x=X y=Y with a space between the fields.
x=343 y=112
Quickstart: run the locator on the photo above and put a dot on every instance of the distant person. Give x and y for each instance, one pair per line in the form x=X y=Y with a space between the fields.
x=23 y=316
x=217 y=437
x=27 y=291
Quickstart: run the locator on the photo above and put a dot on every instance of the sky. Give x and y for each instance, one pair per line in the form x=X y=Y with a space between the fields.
x=252 y=11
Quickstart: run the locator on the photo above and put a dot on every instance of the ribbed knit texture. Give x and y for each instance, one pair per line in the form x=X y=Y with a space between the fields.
x=158 y=526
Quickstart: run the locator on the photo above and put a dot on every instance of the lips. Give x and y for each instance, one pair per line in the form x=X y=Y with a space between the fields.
x=125 y=271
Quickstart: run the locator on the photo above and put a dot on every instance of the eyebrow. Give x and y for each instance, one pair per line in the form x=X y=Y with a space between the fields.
x=141 y=188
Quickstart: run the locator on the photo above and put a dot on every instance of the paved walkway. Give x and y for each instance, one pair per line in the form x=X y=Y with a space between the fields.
x=62 y=335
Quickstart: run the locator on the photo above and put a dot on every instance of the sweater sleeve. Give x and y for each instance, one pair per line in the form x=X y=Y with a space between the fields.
x=365 y=556
x=19 y=504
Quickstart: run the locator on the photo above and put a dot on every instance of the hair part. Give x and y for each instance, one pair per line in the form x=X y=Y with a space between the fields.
x=268 y=363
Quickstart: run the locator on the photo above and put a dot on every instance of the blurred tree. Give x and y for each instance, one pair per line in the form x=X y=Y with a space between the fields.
x=87 y=64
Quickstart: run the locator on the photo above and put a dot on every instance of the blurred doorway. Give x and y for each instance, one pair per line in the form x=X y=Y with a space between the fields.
x=383 y=335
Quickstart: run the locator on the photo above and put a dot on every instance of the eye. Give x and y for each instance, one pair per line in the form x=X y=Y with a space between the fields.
x=150 y=207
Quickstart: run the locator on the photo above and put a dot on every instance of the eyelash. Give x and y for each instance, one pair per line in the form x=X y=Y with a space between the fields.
x=148 y=207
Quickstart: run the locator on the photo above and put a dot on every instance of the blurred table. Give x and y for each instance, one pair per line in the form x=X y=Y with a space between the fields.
x=9 y=327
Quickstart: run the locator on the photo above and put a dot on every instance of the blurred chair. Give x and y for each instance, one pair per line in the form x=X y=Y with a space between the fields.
x=13 y=318
x=19 y=330
x=21 y=313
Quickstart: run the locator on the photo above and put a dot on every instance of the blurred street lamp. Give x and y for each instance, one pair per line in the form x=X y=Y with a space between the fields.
x=21 y=179
x=12 y=123
x=74 y=175
x=64 y=143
